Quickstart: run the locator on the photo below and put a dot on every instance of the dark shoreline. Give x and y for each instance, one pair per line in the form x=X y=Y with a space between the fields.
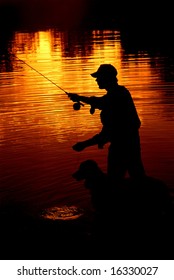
x=126 y=17
x=28 y=237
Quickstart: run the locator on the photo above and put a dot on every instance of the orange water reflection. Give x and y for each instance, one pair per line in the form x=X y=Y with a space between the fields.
x=38 y=125
x=48 y=104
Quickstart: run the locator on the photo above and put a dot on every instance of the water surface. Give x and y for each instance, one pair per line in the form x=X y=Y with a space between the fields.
x=38 y=125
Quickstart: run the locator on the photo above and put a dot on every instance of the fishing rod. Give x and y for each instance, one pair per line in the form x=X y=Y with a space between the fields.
x=76 y=105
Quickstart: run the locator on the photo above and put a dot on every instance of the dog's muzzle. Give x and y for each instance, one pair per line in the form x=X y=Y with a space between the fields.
x=78 y=175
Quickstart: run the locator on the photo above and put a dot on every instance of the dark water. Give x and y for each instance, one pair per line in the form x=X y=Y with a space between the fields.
x=38 y=125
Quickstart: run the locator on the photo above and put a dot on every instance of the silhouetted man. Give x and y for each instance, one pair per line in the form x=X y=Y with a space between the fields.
x=120 y=125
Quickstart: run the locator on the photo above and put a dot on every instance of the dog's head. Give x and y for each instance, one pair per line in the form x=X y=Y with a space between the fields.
x=87 y=169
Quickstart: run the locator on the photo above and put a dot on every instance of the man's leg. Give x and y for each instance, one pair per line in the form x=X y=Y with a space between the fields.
x=116 y=167
x=135 y=164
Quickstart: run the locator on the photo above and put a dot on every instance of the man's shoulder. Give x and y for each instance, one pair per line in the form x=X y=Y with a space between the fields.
x=123 y=88
x=124 y=93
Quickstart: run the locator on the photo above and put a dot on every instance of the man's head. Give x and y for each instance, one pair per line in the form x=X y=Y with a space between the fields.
x=105 y=70
x=105 y=75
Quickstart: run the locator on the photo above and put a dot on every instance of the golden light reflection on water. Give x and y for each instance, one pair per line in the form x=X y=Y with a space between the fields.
x=50 y=106
x=38 y=124
x=39 y=102
x=62 y=213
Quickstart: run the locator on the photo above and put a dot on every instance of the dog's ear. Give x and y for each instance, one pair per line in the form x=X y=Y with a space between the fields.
x=87 y=169
x=89 y=166
x=80 y=174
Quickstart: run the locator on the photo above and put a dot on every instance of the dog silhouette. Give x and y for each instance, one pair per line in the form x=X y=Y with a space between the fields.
x=96 y=181
x=133 y=216
x=147 y=193
x=143 y=203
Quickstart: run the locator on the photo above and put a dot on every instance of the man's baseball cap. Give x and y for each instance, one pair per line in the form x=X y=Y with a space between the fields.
x=105 y=70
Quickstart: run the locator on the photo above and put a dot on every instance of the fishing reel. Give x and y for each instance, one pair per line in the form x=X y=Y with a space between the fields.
x=77 y=106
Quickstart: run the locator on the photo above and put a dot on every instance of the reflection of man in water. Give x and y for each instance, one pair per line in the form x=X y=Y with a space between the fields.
x=120 y=125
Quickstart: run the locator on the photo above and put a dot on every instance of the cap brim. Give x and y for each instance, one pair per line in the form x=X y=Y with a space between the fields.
x=94 y=75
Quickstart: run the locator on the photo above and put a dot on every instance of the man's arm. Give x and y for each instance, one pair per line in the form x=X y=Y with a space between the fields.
x=96 y=102
x=80 y=146
x=99 y=139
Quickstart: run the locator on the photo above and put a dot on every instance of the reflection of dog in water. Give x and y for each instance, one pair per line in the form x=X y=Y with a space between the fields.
x=131 y=211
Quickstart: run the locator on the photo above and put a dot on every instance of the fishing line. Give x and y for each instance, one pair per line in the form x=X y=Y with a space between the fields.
x=76 y=106
x=40 y=74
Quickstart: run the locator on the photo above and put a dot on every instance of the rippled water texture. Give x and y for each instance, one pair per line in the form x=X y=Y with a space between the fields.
x=38 y=125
